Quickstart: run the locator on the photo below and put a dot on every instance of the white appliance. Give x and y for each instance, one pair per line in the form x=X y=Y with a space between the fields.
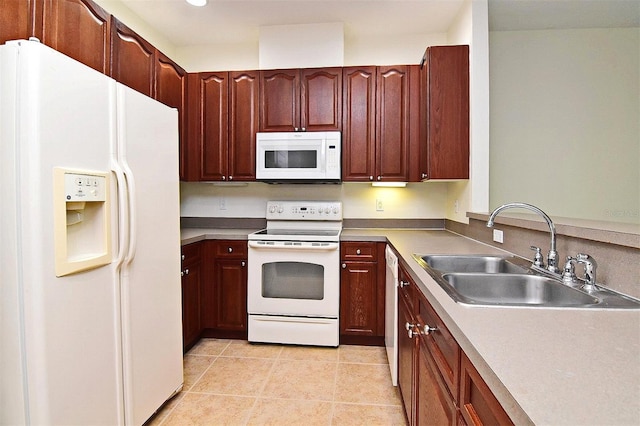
x=298 y=157
x=89 y=244
x=293 y=293
x=391 y=313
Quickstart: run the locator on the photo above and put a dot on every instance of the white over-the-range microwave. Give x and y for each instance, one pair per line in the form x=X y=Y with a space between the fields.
x=298 y=157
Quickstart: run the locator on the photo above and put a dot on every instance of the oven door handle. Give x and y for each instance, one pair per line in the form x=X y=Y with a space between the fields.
x=324 y=247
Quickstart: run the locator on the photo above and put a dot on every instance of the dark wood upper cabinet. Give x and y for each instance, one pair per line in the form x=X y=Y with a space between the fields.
x=132 y=58
x=16 y=19
x=392 y=128
x=321 y=99
x=301 y=100
x=359 y=123
x=445 y=104
x=279 y=100
x=244 y=95
x=171 y=90
x=210 y=93
x=80 y=29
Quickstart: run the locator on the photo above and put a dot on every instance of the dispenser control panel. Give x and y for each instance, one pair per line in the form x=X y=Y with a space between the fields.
x=84 y=187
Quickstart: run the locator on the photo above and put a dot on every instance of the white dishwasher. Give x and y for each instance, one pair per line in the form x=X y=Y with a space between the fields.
x=391 y=313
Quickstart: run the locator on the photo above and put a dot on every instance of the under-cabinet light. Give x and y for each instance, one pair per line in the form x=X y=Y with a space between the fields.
x=197 y=2
x=390 y=184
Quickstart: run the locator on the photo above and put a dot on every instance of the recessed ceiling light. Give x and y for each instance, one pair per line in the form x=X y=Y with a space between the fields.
x=197 y=2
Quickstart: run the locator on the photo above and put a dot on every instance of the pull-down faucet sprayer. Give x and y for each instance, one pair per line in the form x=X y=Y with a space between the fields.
x=552 y=257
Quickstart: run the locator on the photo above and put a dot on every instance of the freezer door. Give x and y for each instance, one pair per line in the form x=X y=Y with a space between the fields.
x=66 y=350
x=151 y=288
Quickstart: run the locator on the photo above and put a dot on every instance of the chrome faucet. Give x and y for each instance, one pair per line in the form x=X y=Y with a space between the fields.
x=552 y=257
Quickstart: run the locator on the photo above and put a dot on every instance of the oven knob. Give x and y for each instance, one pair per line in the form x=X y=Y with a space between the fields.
x=335 y=210
x=280 y=209
x=272 y=209
x=320 y=209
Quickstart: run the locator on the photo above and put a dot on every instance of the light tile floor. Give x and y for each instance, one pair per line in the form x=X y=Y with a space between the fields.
x=233 y=382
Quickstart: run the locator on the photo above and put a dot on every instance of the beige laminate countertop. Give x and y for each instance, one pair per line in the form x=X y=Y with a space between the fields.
x=546 y=366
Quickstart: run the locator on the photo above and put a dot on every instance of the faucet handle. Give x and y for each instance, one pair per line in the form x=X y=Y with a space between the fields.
x=590 y=266
x=569 y=274
x=538 y=259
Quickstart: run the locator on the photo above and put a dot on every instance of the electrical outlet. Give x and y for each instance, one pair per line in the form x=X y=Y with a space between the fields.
x=379 y=205
x=498 y=236
x=223 y=203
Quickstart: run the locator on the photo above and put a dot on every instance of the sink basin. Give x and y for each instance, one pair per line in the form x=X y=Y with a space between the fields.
x=471 y=263
x=487 y=280
x=514 y=289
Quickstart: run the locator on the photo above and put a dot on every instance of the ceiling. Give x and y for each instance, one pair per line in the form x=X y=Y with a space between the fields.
x=238 y=21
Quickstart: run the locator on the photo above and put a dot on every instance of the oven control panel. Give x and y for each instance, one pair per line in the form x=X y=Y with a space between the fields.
x=304 y=210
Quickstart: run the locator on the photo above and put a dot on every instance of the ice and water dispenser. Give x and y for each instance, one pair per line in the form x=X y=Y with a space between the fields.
x=81 y=220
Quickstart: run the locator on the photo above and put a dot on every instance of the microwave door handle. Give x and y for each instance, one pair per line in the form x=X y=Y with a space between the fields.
x=323 y=156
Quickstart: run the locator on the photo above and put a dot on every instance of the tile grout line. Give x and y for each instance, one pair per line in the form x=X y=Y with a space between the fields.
x=264 y=385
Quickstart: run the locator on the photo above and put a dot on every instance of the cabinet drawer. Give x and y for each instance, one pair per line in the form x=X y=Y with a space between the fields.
x=191 y=253
x=441 y=344
x=231 y=249
x=478 y=405
x=361 y=251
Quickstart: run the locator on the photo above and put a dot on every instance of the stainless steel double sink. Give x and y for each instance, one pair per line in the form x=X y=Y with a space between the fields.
x=506 y=281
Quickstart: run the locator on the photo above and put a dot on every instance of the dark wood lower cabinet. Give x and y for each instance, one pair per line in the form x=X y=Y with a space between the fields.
x=435 y=406
x=438 y=384
x=224 y=290
x=478 y=405
x=362 y=293
x=191 y=284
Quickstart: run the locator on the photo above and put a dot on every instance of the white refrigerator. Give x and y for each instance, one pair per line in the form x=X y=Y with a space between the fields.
x=90 y=299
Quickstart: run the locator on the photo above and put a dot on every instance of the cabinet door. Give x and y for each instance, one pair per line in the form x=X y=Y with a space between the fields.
x=434 y=405
x=392 y=135
x=446 y=88
x=191 y=288
x=80 y=29
x=359 y=124
x=321 y=99
x=279 y=100
x=243 y=125
x=16 y=19
x=230 y=284
x=191 y=304
x=132 y=58
x=213 y=124
x=358 y=299
x=406 y=363
x=171 y=87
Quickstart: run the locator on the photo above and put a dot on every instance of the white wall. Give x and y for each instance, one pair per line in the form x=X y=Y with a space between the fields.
x=565 y=121
x=416 y=201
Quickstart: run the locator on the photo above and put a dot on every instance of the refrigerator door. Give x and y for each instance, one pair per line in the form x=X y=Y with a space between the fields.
x=64 y=339
x=151 y=287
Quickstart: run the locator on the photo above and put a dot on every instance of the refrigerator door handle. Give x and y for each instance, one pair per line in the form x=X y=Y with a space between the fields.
x=123 y=229
x=131 y=192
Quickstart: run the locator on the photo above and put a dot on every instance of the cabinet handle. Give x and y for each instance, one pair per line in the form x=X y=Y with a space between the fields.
x=404 y=284
x=358 y=251
x=229 y=249
x=428 y=329
x=370 y=177
x=186 y=271
x=243 y=263
x=295 y=129
x=182 y=257
x=344 y=266
x=409 y=327
x=423 y=175
x=379 y=177
x=230 y=177
x=224 y=178
x=182 y=273
x=304 y=129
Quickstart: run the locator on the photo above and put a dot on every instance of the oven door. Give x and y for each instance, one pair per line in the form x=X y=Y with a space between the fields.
x=294 y=278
